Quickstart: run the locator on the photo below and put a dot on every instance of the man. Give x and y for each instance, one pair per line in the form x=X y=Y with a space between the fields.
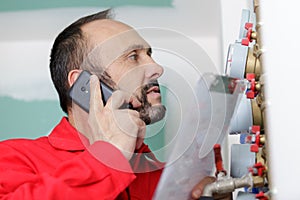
x=100 y=154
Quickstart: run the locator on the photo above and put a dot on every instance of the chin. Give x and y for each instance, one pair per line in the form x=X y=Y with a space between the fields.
x=156 y=113
x=156 y=104
x=155 y=101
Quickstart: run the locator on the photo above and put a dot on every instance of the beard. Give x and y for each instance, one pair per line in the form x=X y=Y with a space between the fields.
x=150 y=113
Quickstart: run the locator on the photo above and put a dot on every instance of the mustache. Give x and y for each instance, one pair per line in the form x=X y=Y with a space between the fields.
x=150 y=84
x=146 y=87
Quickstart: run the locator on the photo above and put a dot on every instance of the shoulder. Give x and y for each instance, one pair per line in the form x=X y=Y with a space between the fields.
x=22 y=143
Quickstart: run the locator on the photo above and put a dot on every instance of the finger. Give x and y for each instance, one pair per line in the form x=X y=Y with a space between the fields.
x=117 y=99
x=128 y=121
x=96 y=102
x=141 y=127
x=139 y=142
x=135 y=102
x=198 y=189
x=141 y=136
x=134 y=113
x=135 y=117
x=132 y=117
x=141 y=131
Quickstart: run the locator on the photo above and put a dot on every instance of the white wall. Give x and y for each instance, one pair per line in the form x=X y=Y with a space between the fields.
x=26 y=39
x=281 y=26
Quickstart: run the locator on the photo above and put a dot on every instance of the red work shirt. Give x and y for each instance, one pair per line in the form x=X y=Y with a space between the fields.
x=60 y=166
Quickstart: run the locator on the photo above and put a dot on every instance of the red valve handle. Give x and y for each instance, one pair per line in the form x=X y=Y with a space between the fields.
x=261 y=196
x=218 y=159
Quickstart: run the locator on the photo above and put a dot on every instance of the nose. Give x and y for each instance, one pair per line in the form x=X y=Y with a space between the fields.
x=153 y=71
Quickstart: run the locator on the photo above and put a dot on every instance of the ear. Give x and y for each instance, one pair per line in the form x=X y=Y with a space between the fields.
x=73 y=75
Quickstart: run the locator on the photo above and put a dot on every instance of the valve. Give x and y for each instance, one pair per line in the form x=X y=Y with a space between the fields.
x=259 y=139
x=261 y=196
x=220 y=171
x=258 y=169
x=251 y=92
x=254 y=137
x=255 y=129
x=254 y=148
x=250 y=36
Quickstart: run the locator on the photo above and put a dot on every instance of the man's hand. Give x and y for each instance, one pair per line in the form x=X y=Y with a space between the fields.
x=198 y=189
x=123 y=128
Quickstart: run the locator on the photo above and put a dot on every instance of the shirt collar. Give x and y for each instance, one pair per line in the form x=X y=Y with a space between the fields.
x=65 y=137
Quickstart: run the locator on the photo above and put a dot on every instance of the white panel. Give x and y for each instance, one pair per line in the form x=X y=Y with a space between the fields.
x=281 y=27
x=25 y=70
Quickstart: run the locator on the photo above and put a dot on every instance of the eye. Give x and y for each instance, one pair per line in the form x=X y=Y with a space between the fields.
x=149 y=52
x=133 y=56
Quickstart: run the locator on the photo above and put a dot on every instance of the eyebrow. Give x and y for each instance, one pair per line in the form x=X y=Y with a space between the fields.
x=137 y=47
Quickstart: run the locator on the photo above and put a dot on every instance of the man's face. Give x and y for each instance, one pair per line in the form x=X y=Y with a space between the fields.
x=126 y=58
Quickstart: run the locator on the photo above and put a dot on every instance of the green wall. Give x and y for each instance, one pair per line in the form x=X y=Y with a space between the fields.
x=27 y=119
x=33 y=119
x=15 y=5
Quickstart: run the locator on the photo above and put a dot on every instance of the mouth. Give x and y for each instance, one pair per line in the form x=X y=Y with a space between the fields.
x=153 y=89
x=150 y=94
x=153 y=95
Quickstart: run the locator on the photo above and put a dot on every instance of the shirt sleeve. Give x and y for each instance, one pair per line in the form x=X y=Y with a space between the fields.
x=88 y=175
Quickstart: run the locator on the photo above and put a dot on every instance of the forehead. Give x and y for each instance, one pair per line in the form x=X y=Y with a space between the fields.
x=112 y=33
x=111 y=39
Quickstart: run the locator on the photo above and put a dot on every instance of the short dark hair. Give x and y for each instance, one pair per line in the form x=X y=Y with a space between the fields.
x=68 y=52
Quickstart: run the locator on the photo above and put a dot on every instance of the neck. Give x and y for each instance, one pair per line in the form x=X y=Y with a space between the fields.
x=78 y=119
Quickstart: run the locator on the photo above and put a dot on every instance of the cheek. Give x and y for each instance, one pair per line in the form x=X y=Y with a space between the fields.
x=116 y=71
x=131 y=80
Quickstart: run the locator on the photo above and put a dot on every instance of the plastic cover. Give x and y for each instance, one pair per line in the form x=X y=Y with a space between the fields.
x=192 y=158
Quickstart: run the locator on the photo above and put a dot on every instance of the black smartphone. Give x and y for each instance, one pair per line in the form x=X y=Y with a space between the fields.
x=80 y=92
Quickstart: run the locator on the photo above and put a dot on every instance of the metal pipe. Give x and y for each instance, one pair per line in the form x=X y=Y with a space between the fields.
x=227 y=185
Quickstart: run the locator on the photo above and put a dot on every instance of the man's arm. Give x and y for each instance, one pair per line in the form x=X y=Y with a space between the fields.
x=83 y=177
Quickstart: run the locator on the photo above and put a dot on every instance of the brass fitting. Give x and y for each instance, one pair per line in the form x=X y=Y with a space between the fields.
x=253 y=35
x=253 y=64
x=256 y=113
x=258 y=181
